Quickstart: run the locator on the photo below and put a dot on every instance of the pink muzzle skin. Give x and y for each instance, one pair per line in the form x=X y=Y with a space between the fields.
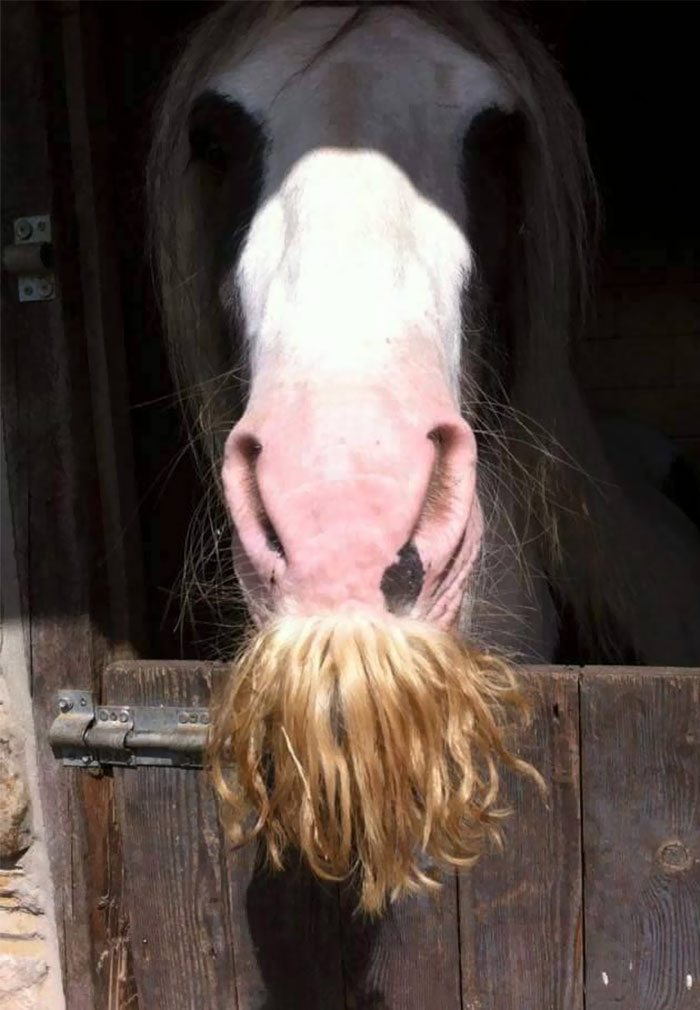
x=343 y=501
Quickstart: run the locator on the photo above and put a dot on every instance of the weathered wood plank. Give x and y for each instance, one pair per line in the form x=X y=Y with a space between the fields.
x=641 y=817
x=210 y=929
x=520 y=910
x=181 y=937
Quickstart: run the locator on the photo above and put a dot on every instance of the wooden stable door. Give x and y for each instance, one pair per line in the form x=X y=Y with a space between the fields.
x=594 y=901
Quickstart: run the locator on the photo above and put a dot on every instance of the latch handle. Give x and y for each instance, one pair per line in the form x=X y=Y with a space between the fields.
x=29 y=258
x=91 y=736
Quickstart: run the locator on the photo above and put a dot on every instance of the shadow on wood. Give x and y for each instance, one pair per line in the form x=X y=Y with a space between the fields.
x=294 y=930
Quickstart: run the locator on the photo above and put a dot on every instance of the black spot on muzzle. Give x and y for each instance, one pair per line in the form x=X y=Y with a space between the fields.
x=402 y=582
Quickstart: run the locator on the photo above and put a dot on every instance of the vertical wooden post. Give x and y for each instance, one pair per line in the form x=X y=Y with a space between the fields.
x=521 y=909
x=75 y=605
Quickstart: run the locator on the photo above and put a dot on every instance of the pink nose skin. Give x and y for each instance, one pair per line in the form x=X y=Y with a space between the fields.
x=340 y=500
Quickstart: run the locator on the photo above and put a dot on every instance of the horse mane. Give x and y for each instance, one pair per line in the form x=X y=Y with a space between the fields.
x=571 y=503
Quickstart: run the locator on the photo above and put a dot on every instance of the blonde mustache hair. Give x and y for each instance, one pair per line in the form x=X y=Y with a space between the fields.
x=368 y=744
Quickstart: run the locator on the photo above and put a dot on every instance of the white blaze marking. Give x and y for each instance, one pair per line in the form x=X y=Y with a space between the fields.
x=689 y=981
x=604 y=976
x=348 y=253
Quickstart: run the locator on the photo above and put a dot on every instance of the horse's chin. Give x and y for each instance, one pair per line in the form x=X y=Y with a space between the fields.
x=369 y=743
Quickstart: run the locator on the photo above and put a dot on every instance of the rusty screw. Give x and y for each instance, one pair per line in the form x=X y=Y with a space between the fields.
x=65 y=705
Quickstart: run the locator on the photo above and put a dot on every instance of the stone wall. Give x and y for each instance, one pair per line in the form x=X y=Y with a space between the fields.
x=30 y=977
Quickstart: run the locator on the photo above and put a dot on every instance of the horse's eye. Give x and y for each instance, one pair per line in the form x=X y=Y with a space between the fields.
x=222 y=134
x=226 y=166
x=207 y=148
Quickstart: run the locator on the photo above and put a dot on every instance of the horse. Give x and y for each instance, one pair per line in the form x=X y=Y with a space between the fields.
x=373 y=227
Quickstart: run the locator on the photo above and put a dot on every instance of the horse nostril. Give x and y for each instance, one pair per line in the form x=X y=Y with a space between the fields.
x=271 y=538
x=334 y=518
x=402 y=582
x=250 y=450
x=440 y=492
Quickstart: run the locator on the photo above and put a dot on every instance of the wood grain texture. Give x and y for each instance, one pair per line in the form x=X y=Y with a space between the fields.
x=175 y=868
x=521 y=909
x=211 y=929
x=641 y=815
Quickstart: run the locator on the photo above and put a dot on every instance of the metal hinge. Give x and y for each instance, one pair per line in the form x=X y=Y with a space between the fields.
x=93 y=736
x=30 y=259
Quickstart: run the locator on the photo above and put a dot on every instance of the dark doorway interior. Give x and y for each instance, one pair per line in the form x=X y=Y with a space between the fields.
x=631 y=69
